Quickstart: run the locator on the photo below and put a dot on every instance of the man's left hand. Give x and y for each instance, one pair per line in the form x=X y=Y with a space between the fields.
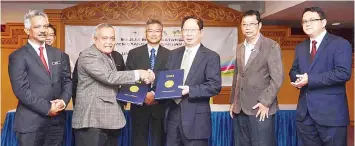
x=263 y=111
x=185 y=89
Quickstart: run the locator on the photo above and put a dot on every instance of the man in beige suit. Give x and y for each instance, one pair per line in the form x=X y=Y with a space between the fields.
x=257 y=79
x=97 y=115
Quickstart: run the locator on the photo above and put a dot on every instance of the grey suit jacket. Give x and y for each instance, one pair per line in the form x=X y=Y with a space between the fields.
x=34 y=87
x=260 y=79
x=96 y=105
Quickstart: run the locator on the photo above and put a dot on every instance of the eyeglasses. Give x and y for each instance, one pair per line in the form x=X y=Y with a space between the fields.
x=104 y=38
x=250 y=24
x=193 y=31
x=310 y=21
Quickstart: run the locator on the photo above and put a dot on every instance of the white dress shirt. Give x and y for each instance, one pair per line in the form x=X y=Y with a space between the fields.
x=36 y=47
x=318 y=39
x=150 y=49
x=248 y=49
x=191 y=57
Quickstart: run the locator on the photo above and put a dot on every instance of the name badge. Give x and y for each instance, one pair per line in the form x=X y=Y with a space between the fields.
x=56 y=63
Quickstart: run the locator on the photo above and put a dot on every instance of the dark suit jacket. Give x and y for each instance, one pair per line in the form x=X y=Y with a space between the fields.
x=325 y=95
x=119 y=62
x=260 y=79
x=35 y=87
x=138 y=58
x=204 y=81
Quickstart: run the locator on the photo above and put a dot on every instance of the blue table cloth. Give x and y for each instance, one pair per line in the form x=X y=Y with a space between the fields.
x=222 y=134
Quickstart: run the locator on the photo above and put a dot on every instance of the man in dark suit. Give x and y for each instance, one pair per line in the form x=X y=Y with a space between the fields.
x=189 y=117
x=321 y=67
x=257 y=79
x=150 y=56
x=120 y=66
x=40 y=79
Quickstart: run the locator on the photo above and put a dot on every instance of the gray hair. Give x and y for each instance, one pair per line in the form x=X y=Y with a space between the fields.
x=98 y=27
x=33 y=13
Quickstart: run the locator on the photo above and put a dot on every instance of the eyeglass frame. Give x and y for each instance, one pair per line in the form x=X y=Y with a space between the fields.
x=193 y=31
x=250 y=24
x=311 y=21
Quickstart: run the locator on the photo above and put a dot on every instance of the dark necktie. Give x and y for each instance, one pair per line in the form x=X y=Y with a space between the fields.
x=152 y=58
x=43 y=59
x=314 y=49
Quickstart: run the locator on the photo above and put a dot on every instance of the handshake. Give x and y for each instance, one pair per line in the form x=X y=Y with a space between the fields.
x=147 y=76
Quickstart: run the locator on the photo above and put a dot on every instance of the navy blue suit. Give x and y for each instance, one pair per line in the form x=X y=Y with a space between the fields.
x=35 y=88
x=322 y=109
x=194 y=113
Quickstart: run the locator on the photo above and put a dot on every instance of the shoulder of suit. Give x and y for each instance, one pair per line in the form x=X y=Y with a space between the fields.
x=209 y=51
x=19 y=51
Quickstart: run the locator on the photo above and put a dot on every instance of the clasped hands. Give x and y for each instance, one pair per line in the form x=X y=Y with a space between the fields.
x=56 y=106
x=302 y=80
x=147 y=76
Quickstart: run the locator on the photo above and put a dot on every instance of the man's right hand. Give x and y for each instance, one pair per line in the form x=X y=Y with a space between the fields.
x=147 y=76
x=54 y=110
x=231 y=111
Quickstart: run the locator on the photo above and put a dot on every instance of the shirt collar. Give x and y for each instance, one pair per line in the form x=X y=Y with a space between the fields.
x=35 y=46
x=193 y=49
x=253 y=43
x=320 y=37
x=155 y=48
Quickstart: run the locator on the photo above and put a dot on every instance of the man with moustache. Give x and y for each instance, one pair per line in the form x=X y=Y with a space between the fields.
x=189 y=117
x=149 y=56
x=321 y=68
x=40 y=79
x=97 y=116
x=257 y=79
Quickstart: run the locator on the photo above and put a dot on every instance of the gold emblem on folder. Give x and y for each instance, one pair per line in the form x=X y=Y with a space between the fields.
x=169 y=83
x=134 y=89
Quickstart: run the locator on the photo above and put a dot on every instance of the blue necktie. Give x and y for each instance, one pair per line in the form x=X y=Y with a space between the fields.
x=152 y=58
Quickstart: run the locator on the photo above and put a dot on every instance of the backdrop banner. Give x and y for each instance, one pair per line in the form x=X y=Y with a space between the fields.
x=222 y=40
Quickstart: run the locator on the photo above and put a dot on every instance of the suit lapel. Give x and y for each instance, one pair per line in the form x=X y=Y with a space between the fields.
x=50 y=56
x=241 y=58
x=36 y=57
x=179 y=56
x=307 y=51
x=320 y=49
x=195 y=63
x=159 y=58
x=254 y=53
x=145 y=57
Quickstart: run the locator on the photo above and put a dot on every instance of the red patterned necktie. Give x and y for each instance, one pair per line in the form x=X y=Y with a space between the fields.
x=314 y=49
x=43 y=59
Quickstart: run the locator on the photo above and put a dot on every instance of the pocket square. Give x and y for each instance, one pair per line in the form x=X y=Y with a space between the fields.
x=56 y=63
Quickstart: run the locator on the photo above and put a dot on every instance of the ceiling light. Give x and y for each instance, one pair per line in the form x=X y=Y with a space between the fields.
x=336 y=23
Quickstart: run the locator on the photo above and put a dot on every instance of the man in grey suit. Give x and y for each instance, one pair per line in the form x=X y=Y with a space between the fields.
x=257 y=79
x=40 y=79
x=97 y=115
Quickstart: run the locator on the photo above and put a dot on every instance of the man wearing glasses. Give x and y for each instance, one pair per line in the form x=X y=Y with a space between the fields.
x=189 y=117
x=257 y=79
x=321 y=68
x=149 y=56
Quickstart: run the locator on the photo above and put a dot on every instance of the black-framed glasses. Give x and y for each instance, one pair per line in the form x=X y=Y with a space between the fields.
x=193 y=31
x=250 y=24
x=310 y=21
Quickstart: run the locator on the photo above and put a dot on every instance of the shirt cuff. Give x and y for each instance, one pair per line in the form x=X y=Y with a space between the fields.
x=153 y=92
x=136 y=75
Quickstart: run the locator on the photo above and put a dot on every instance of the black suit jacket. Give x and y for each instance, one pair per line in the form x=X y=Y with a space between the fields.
x=138 y=58
x=119 y=62
x=35 y=87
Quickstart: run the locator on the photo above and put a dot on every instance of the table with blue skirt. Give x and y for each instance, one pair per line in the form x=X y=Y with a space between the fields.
x=222 y=131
